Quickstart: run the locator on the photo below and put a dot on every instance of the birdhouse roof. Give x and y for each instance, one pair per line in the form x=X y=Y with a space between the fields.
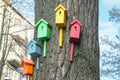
x=34 y=42
x=30 y=62
x=40 y=21
x=22 y=63
x=74 y=22
x=59 y=7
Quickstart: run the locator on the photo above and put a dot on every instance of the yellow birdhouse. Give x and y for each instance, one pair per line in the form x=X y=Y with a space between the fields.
x=60 y=16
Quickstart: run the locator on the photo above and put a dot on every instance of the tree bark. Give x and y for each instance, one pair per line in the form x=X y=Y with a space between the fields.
x=4 y=38
x=56 y=66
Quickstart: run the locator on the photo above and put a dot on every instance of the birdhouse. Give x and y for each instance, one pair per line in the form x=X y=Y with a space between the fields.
x=43 y=30
x=60 y=16
x=75 y=27
x=27 y=66
x=34 y=48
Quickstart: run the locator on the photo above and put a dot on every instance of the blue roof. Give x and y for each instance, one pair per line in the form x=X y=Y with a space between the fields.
x=34 y=42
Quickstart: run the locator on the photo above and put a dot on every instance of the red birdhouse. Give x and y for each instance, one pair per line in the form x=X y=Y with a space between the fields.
x=28 y=66
x=75 y=27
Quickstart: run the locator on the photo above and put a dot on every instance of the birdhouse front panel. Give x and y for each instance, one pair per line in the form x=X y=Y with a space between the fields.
x=27 y=66
x=74 y=32
x=28 y=69
x=60 y=18
x=34 y=49
x=42 y=31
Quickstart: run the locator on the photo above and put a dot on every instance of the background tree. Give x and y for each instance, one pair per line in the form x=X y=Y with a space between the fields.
x=8 y=40
x=110 y=58
x=114 y=15
x=4 y=46
x=56 y=65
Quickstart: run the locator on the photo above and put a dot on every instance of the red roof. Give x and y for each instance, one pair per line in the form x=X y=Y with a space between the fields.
x=75 y=21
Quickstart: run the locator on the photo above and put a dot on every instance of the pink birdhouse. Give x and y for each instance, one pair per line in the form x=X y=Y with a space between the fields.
x=75 y=27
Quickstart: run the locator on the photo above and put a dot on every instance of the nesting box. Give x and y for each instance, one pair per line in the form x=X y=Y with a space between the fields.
x=34 y=49
x=27 y=66
x=60 y=12
x=43 y=30
x=75 y=27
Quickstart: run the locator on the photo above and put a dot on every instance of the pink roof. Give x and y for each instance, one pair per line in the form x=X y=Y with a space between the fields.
x=75 y=21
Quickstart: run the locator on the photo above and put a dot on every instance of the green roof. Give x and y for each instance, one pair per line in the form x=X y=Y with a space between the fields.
x=40 y=21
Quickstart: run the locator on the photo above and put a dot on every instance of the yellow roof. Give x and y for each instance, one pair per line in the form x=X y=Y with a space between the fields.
x=60 y=6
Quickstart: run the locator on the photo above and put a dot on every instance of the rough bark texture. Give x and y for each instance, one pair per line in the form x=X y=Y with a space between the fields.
x=56 y=65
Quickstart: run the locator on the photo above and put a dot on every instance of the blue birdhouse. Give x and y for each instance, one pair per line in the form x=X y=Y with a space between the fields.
x=34 y=49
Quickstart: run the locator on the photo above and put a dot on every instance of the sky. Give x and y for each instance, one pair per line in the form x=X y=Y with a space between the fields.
x=26 y=8
x=106 y=27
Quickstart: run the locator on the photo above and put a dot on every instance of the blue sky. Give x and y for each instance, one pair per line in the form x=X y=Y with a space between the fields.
x=26 y=8
x=106 y=27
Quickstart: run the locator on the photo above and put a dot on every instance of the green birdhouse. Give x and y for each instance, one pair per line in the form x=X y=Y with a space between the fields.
x=43 y=33
x=43 y=30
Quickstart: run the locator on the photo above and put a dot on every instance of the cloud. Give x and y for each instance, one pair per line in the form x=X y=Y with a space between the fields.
x=105 y=47
x=111 y=2
x=108 y=28
x=106 y=78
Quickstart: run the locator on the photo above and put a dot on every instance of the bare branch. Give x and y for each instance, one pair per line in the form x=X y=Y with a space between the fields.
x=2 y=26
x=114 y=15
x=8 y=51
x=17 y=53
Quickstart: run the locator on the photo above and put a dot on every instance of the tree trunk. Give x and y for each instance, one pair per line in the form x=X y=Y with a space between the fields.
x=6 y=18
x=56 y=66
